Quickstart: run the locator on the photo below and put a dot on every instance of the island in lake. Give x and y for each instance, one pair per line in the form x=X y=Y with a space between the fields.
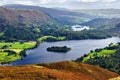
x=59 y=49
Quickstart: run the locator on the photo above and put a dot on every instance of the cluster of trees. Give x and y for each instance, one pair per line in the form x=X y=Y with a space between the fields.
x=23 y=53
x=58 y=49
x=77 y=35
x=13 y=33
x=111 y=62
x=10 y=52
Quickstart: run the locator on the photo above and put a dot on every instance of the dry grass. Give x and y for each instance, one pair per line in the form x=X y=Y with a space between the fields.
x=56 y=71
x=117 y=78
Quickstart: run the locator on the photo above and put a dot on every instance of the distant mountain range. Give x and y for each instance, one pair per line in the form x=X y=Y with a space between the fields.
x=62 y=16
x=111 y=26
x=102 y=23
x=107 y=18
x=105 y=13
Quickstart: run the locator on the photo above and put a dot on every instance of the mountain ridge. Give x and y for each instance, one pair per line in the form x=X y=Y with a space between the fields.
x=64 y=17
x=25 y=16
x=102 y=23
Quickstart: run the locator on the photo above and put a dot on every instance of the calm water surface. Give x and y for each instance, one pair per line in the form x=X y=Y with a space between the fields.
x=79 y=48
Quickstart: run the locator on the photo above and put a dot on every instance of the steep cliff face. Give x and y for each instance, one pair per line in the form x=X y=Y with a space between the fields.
x=66 y=70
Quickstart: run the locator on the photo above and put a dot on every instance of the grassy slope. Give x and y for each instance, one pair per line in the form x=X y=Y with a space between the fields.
x=108 y=58
x=16 y=47
x=5 y=58
x=117 y=78
x=104 y=52
x=41 y=39
x=67 y=70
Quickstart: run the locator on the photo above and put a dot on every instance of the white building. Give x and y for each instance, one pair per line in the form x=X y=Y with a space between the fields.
x=80 y=28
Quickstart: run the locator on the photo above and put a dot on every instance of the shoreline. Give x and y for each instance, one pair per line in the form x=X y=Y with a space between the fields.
x=23 y=52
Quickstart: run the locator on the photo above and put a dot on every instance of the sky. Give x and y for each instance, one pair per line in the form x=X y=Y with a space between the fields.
x=70 y=4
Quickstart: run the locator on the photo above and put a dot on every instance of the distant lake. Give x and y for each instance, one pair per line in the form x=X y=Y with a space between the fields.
x=79 y=48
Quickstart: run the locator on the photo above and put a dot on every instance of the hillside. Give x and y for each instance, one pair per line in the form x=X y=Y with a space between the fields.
x=108 y=57
x=105 y=24
x=102 y=23
x=117 y=78
x=26 y=24
x=56 y=71
x=24 y=16
x=64 y=17
x=104 y=13
x=23 y=24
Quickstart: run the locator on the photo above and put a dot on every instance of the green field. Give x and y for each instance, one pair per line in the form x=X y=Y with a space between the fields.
x=16 y=48
x=17 y=45
x=5 y=58
x=102 y=53
x=1 y=34
x=51 y=38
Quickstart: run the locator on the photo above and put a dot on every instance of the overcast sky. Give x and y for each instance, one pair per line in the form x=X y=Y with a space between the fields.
x=72 y=4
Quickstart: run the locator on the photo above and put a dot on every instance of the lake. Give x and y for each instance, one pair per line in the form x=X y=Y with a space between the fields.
x=78 y=49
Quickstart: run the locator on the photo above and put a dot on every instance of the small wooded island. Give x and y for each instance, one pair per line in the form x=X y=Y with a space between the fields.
x=59 y=49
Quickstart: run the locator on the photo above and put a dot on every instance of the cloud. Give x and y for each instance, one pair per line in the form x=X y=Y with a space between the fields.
x=67 y=3
x=27 y=2
x=87 y=1
x=109 y=1
x=48 y=1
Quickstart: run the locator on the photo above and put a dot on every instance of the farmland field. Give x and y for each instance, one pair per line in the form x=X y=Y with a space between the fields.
x=11 y=51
